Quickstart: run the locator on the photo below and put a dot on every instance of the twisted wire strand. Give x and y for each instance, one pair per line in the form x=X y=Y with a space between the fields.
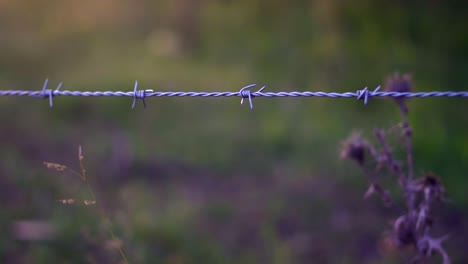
x=244 y=93
x=230 y=94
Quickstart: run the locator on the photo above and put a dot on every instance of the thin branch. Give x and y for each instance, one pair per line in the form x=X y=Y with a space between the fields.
x=394 y=166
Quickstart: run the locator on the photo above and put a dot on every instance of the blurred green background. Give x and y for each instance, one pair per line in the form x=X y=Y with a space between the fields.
x=205 y=180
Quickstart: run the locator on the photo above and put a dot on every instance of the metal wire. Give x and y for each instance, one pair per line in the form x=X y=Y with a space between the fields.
x=244 y=93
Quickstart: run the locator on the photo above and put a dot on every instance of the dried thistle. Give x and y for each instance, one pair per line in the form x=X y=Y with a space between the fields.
x=411 y=230
x=403 y=228
x=354 y=148
x=424 y=219
x=430 y=186
x=399 y=84
x=428 y=245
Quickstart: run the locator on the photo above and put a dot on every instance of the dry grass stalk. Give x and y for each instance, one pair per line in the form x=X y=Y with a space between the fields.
x=83 y=176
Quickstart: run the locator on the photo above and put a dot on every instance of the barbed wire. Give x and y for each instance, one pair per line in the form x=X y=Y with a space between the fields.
x=244 y=93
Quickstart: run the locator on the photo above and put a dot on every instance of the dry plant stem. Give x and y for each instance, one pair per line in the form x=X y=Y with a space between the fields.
x=107 y=223
x=411 y=229
x=394 y=166
x=83 y=177
x=384 y=194
x=409 y=152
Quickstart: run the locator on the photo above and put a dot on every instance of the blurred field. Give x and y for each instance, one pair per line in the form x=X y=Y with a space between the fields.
x=204 y=180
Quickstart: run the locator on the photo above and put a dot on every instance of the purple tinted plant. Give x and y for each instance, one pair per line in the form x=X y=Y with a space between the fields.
x=411 y=229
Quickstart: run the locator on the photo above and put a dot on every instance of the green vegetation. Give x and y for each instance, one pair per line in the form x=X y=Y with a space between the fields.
x=204 y=180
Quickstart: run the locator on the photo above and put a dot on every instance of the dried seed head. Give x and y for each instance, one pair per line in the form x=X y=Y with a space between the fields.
x=430 y=185
x=399 y=84
x=404 y=231
x=67 y=201
x=89 y=202
x=55 y=166
x=354 y=148
x=433 y=187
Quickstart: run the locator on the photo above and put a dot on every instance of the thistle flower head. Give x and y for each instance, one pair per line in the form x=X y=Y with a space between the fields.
x=403 y=229
x=399 y=84
x=430 y=186
x=354 y=148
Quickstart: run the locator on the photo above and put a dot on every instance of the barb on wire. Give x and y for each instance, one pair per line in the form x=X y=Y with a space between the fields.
x=244 y=93
x=139 y=94
x=48 y=93
x=364 y=94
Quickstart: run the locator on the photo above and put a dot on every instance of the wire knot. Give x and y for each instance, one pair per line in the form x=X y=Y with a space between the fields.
x=139 y=94
x=365 y=94
x=48 y=93
x=245 y=93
